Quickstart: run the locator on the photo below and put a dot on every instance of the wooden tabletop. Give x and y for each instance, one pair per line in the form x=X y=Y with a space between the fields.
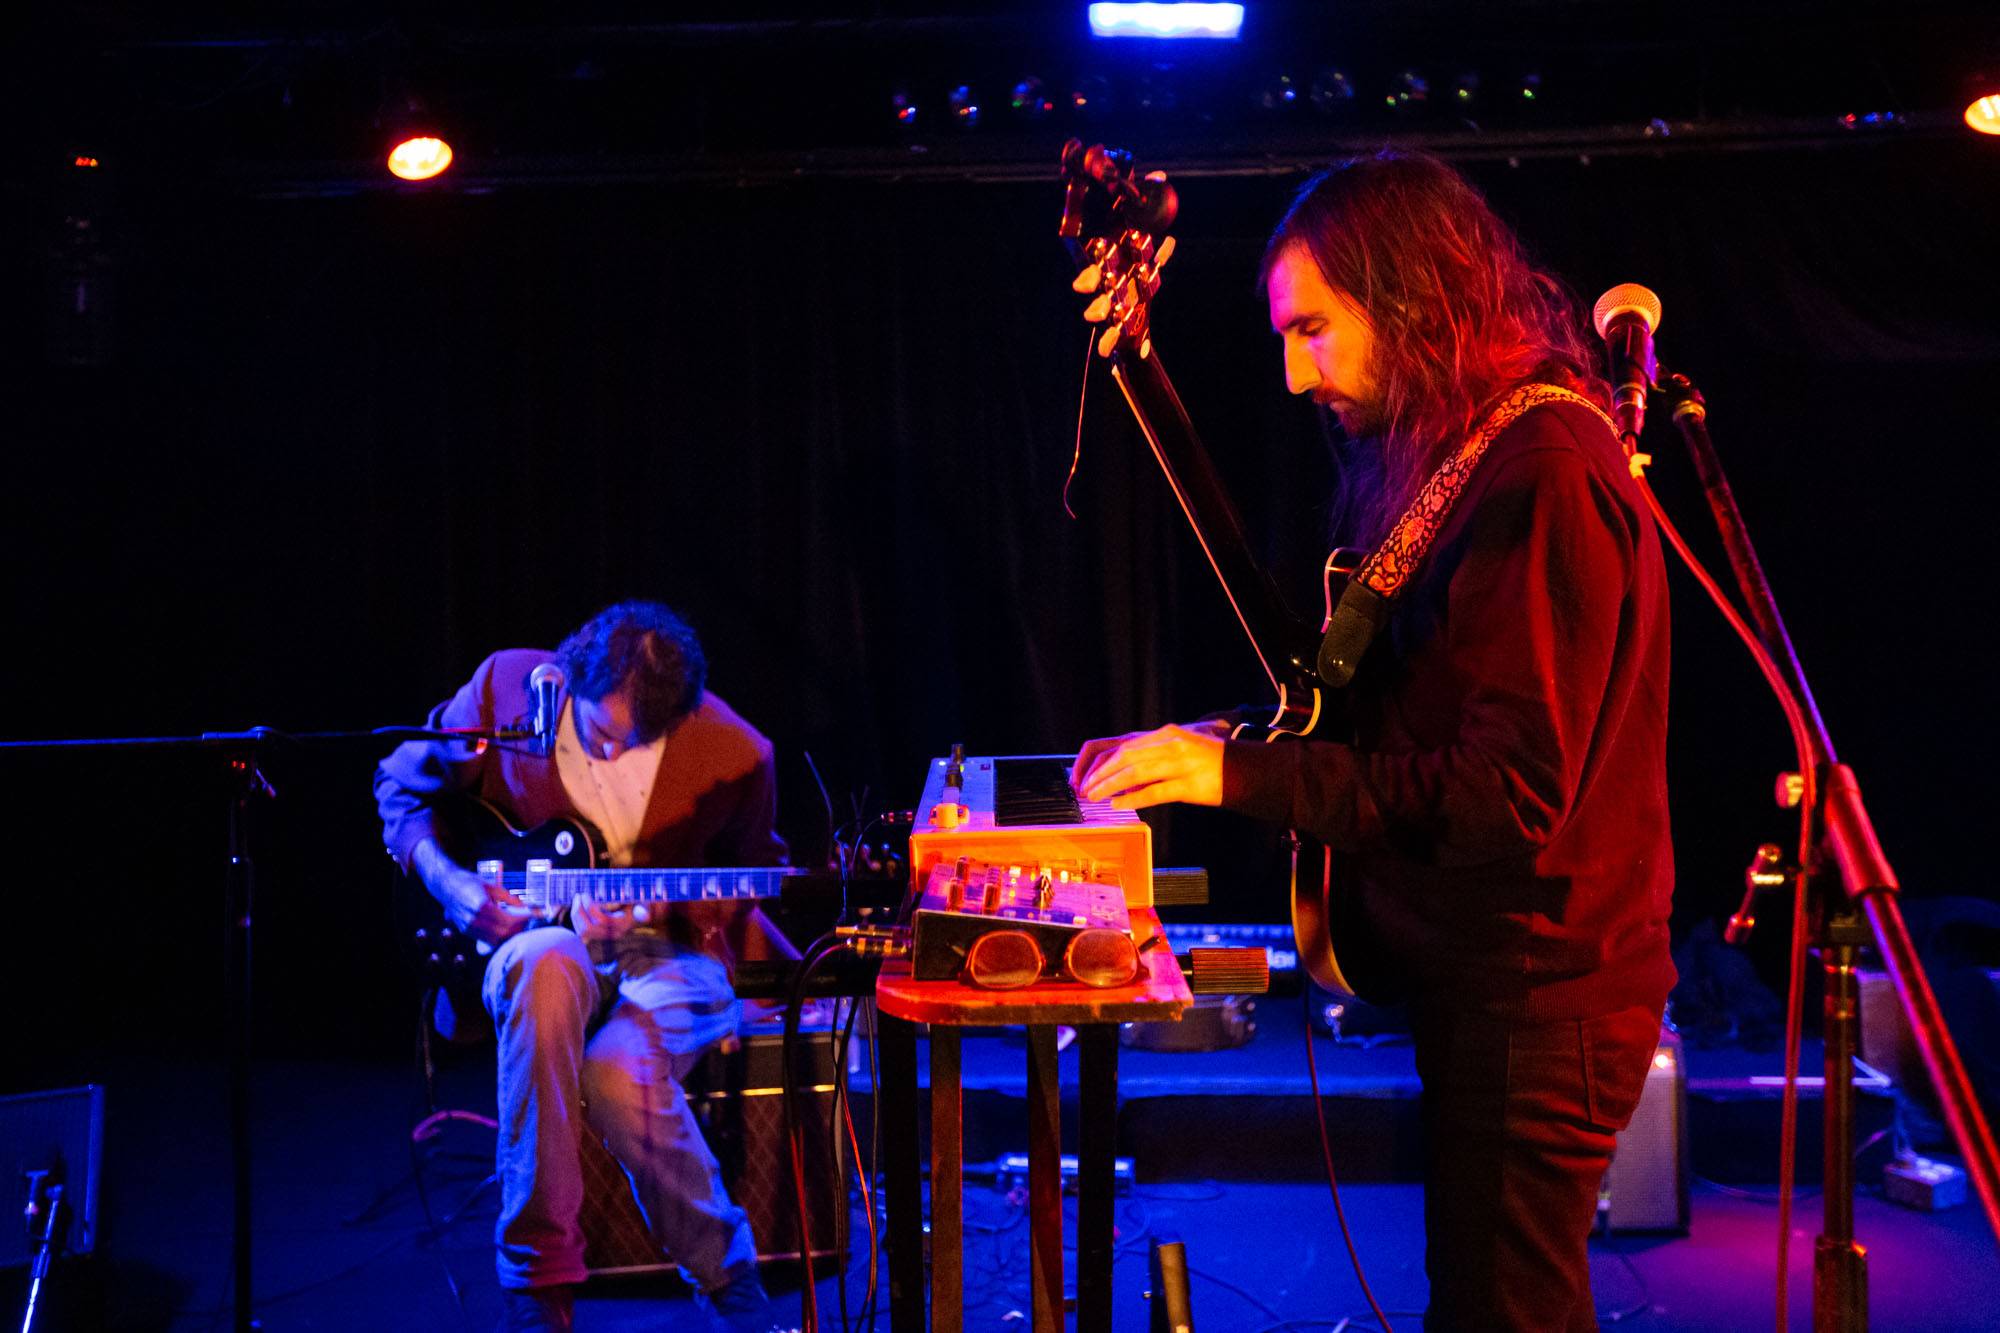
x=1160 y=993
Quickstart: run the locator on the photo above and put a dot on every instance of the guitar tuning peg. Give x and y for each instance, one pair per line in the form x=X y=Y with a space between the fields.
x=1097 y=311
x=1156 y=176
x=1089 y=279
x=1107 y=341
x=1145 y=349
x=1166 y=253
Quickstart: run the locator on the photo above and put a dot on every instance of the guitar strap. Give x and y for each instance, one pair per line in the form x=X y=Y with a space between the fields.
x=1365 y=601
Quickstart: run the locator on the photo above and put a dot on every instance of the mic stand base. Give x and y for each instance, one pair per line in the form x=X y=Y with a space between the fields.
x=1840 y=1263
x=1840 y=1286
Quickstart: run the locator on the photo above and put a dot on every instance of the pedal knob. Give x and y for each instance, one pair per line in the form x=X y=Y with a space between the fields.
x=1227 y=971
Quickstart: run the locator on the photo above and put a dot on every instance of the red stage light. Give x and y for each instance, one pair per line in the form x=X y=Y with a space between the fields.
x=1983 y=114
x=419 y=159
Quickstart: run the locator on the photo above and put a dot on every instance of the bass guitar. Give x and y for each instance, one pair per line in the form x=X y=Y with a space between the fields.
x=1116 y=224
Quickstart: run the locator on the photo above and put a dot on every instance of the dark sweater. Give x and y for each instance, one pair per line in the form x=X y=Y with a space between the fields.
x=1497 y=800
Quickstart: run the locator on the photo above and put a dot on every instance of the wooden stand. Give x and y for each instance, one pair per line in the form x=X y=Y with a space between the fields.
x=1161 y=993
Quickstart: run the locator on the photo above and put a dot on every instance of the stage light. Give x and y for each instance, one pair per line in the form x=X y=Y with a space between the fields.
x=420 y=158
x=419 y=149
x=1332 y=91
x=1410 y=90
x=1029 y=101
x=1091 y=95
x=1871 y=120
x=964 y=107
x=1982 y=114
x=1156 y=93
x=1277 y=93
x=904 y=108
x=1465 y=90
x=1166 y=20
x=1530 y=88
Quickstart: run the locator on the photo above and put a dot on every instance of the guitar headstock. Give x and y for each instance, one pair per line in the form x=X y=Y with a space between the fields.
x=1116 y=222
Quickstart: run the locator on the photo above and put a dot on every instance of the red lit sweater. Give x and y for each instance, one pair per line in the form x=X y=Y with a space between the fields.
x=1497 y=800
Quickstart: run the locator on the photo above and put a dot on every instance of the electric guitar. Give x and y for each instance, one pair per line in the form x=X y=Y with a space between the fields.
x=1116 y=223
x=549 y=867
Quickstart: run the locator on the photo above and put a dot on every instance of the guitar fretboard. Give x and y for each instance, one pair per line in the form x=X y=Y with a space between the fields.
x=558 y=888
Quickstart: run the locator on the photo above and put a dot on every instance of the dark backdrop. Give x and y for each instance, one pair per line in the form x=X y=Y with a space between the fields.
x=346 y=446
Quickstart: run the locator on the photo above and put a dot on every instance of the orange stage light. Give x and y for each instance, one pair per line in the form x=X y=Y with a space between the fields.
x=1983 y=114
x=419 y=159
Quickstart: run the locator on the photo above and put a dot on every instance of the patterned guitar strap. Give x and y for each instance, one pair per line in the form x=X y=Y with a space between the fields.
x=1372 y=589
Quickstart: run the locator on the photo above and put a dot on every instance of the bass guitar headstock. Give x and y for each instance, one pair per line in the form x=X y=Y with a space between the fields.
x=1116 y=222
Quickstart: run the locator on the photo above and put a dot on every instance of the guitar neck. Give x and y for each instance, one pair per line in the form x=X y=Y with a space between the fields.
x=552 y=889
x=1279 y=638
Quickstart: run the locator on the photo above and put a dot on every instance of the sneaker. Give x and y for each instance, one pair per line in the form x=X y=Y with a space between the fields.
x=741 y=1305
x=535 y=1310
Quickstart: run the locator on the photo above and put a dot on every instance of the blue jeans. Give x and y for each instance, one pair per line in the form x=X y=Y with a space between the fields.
x=607 y=1044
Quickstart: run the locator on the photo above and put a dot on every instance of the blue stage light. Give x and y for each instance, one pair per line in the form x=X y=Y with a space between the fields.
x=1166 y=20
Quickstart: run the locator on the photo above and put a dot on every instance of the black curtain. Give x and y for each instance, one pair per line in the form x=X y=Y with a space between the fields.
x=346 y=446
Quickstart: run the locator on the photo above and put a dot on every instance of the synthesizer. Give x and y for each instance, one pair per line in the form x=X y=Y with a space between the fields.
x=1018 y=880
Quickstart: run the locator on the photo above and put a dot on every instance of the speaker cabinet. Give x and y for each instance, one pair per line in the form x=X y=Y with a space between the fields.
x=1646 y=1186
x=738 y=1096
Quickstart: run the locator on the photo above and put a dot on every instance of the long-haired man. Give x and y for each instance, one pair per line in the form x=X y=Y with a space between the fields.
x=1495 y=791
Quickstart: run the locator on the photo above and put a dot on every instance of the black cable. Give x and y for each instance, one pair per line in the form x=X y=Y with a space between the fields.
x=821 y=949
x=874 y=1130
x=835 y=1125
x=1326 y=1154
x=293 y=1293
x=1645 y=1293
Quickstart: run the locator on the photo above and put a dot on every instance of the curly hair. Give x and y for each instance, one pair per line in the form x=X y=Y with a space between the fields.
x=1459 y=315
x=643 y=645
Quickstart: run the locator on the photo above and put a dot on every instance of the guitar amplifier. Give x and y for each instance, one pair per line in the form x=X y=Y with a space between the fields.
x=1646 y=1186
x=738 y=1096
x=57 y=1137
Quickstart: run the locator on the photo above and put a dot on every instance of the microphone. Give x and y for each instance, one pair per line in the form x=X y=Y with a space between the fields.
x=1626 y=318
x=545 y=685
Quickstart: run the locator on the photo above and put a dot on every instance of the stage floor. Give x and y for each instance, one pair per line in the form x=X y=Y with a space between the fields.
x=342 y=1242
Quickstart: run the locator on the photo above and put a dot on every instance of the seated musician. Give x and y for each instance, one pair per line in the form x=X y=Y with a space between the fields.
x=605 y=1017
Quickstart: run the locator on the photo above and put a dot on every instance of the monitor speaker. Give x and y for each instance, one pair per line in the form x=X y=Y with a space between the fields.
x=1646 y=1186
x=61 y=1135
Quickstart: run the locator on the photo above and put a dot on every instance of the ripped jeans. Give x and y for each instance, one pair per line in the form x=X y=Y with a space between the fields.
x=609 y=1042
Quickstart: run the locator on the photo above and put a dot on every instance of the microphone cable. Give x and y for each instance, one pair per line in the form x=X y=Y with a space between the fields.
x=1802 y=743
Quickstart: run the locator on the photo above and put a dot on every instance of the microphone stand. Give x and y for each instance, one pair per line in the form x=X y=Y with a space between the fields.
x=240 y=752
x=1866 y=910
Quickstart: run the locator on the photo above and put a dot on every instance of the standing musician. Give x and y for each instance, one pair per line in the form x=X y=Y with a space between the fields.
x=601 y=1023
x=1495 y=797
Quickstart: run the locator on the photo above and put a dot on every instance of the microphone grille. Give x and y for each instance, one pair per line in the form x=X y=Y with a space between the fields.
x=548 y=673
x=1626 y=297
